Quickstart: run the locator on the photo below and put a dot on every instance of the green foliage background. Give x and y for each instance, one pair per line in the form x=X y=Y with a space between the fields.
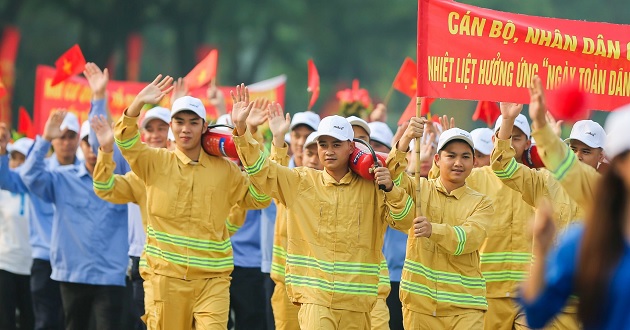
x=364 y=39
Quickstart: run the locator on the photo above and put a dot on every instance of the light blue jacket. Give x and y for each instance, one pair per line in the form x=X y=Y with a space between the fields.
x=246 y=242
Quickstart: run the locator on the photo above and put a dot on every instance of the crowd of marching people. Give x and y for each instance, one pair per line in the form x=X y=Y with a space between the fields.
x=132 y=224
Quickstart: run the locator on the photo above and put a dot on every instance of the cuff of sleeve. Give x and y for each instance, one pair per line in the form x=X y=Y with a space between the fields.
x=104 y=156
x=395 y=194
x=242 y=141
x=129 y=120
x=502 y=145
x=545 y=136
x=99 y=103
x=280 y=152
x=438 y=231
x=41 y=143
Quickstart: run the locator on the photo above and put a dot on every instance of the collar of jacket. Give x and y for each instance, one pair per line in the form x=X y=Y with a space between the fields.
x=204 y=159
x=457 y=193
x=329 y=180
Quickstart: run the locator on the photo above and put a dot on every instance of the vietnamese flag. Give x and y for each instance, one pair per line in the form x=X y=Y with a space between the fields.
x=69 y=64
x=203 y=72
x=25 y=124
x=313 y=83
x=487 y=112
x=3 y=89
x=410 y=111
x=406 y=81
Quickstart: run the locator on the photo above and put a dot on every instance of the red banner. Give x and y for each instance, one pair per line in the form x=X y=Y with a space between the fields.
x=467 y=52
x=8 y=53
x=134 y=55
x=74 y=95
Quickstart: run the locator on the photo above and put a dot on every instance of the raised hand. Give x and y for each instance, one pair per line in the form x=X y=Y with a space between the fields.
x=446 y=123
x=379 y=113
x=544 y=229
x=104 y=133
x=537 y=109
x=510 y=110
x=258 y=116
x=52 y=130
x=180 y=89
x=241 y=108
x=279 y=123
x=382 y=177
x=422 y=227
x=4 y=138
x=153 y=93
x=556 y=125
x=427 y=149
x=399 y=132
x=414 y=130
x=215 y=97
x=97 y=80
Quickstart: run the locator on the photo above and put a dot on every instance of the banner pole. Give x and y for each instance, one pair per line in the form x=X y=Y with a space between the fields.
x=417 y=148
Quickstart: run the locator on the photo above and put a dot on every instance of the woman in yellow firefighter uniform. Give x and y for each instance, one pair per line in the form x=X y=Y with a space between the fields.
x=335 y=224
x=189 y=196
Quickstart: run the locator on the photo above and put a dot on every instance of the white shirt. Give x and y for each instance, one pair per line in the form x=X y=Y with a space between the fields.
x=15 y=249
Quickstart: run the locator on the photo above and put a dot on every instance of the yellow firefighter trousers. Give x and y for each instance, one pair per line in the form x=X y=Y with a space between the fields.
x=380 y=315
x=316 y=317
x=562 y=321
x=501 y=314
x=202 y=304
x=285 y=313
x=418 y=321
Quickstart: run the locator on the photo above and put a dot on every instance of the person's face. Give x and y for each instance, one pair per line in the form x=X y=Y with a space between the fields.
x=298 y=138
x=481 y=159
x=586 y=154
x=310 y=158
x=379 y=147
x=360 y=133
x=66 y=146
x=16 y=159
x=90 y=157
x=455 y=161
x=155 y=133
x=520 y=143
x=334 y=154
x=187 y=128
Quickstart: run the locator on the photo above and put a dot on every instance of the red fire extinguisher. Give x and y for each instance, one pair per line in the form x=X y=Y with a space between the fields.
x=531 y=158
x=364 y=160
x=218 y=142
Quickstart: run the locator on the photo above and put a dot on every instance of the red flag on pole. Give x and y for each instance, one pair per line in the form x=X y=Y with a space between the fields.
x=487 y=111
x=313 y=83
x=406 y=81
x=410 y=111
x=134 y=55
x=25 y=124
x=3 y=89
x=203 y=72
x=69 y=64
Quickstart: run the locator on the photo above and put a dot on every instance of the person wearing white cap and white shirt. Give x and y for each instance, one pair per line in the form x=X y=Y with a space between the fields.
x=15 y=250
x=592 y=259
x=302 y=124
x=335 y=201
x=380 y=136
x=447 y=238
x=483 y=145
x=191 y=281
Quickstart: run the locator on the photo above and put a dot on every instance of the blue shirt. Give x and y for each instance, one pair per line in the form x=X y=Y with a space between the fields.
x=40 y=212
x=89 y=236
x=246 y=242
x=560 y=281
x=267 y=228
x=395 y=249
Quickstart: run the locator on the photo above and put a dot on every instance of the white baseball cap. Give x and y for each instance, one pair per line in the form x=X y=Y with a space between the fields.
x=85 y=129
x=356 y=121
x=588 y=132
x=521 y=122
x=71 y=123
x=160 y=113
x=335 y=126
x=455 y=134
x=618 y=128
x=189 y=103
x=482 y=138
x=22 y=146
x=310 y=140
x=381 y=133
x=307 y=118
